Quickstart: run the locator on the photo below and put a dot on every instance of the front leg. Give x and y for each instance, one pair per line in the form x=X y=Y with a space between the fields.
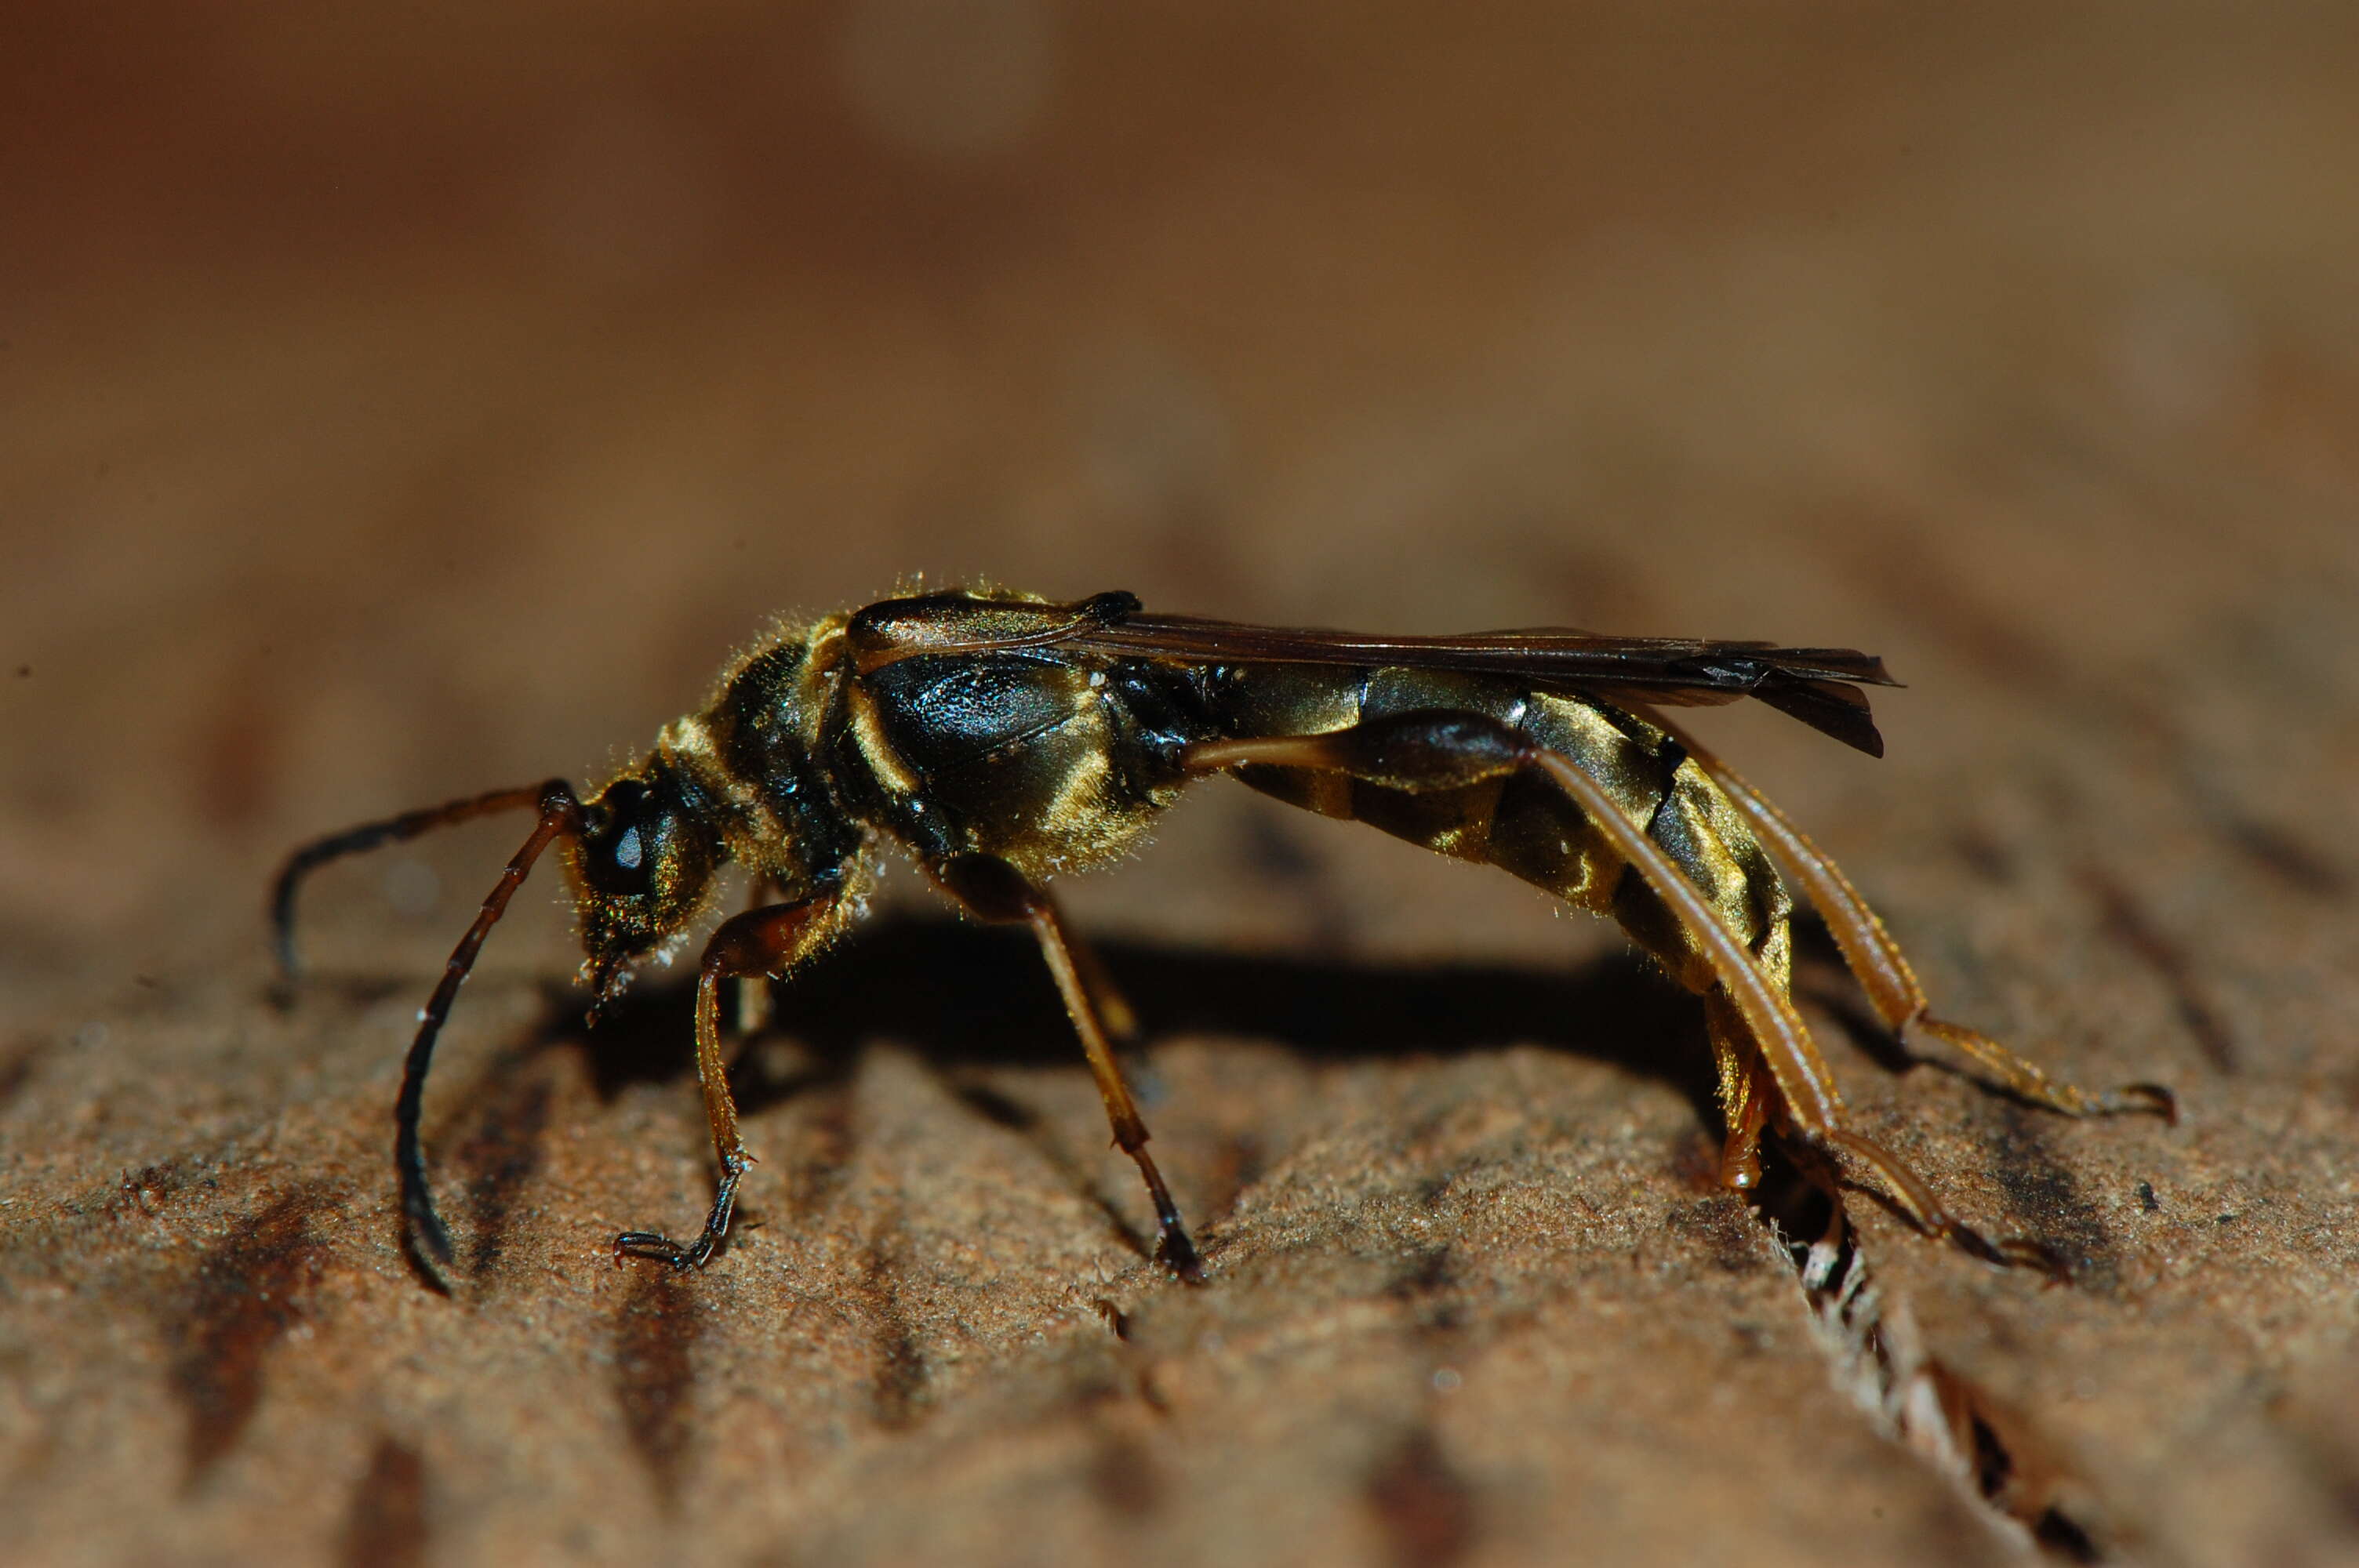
x=758 y=942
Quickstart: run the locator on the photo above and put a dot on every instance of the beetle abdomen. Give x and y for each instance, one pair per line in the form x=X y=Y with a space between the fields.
x=1523 y=823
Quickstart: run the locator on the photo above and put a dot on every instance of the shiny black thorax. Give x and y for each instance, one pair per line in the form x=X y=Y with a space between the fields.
x=1050 y=760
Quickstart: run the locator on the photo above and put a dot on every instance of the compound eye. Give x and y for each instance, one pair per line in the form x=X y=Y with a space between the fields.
x=619 y=848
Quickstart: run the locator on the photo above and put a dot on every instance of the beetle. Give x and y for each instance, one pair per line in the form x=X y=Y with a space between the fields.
x=998 y=740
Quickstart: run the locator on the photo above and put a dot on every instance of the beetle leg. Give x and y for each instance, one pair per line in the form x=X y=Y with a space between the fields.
x=752 y=1006
x=758 y=942
x=990 y=889
x=1447 y=749
x=1116 y=1016
x=1883 y=972
x=1746 y=1092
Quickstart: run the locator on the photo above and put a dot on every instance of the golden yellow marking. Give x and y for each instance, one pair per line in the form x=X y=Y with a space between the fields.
x=687 y=736
x=868 y=732
x=1794 y=1059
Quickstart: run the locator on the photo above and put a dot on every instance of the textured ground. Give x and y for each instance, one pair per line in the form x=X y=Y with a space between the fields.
x=394 y=409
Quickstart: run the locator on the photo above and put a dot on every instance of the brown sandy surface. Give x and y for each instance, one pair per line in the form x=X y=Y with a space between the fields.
x=399 y=404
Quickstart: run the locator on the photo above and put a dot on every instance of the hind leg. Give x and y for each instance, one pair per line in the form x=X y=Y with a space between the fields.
x=1771 y=1069
x=1883 y=971
x=1748 y=1097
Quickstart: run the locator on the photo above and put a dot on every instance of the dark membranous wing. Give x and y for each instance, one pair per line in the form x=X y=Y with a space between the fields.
x=1816 y=686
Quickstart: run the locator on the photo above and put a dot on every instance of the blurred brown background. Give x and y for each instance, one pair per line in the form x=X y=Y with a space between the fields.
x=399 y=403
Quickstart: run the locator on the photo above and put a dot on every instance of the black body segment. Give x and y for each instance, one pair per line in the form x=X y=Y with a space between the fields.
x=1051 y=763
x=788 y=823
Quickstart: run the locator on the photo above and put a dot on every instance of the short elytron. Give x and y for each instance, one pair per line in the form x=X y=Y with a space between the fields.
x=997 y=739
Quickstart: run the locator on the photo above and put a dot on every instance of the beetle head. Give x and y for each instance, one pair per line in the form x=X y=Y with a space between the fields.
x=642 y=868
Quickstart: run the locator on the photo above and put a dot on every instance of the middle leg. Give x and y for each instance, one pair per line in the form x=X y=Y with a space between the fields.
x=990 y=889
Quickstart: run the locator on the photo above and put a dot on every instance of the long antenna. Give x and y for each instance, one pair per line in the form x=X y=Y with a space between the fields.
x=560 y=814
x=368 y=836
